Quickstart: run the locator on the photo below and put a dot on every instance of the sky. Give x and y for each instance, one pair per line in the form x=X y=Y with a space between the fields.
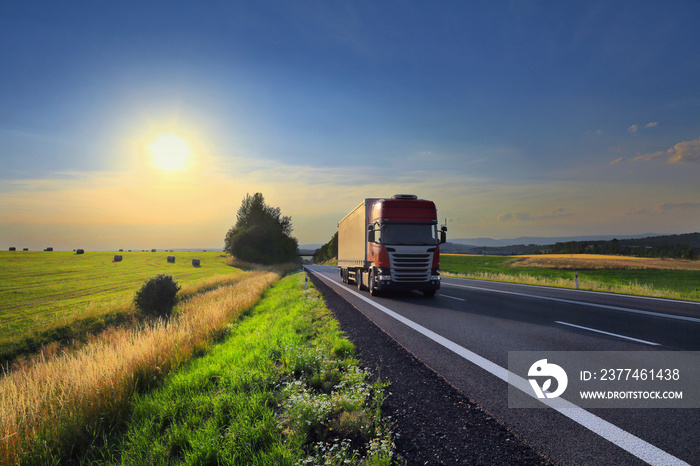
x=518 y=118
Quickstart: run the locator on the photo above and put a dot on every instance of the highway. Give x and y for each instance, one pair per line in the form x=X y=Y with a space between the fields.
x=465 y=333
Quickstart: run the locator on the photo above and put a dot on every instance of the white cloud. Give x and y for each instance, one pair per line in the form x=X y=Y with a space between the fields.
x=683 y=152
x=635 y=128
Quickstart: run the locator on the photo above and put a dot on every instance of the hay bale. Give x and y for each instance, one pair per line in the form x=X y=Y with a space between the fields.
x=121 y=250
x=117 y=258
x=25 y=249
x=171 y=259
x=195 y=262
x=48 y=249
x=12 y=248
x=153 y=250
x=80 y=251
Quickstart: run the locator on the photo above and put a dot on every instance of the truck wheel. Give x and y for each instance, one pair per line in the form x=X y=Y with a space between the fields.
x=358 y=279
x=372 y=290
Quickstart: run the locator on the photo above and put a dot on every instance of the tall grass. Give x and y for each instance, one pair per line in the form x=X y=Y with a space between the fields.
x=282 y=388
x=633 y=288
x=59 y=405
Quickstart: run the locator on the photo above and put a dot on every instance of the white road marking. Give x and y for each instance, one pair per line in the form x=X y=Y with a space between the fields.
x=602 y=293
x=623 y=439
x=581 y=303
x=452 y=297
x=607 y=333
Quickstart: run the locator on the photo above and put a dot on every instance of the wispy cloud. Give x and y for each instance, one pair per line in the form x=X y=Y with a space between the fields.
x=683 y=152
x=635 y=128
x=666 y=206
x=526 y=217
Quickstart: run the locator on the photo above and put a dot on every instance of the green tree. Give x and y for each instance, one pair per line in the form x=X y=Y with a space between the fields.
x=329 y=250
x=261 y=234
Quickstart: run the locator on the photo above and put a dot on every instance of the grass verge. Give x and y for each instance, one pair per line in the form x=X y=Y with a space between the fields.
x=662 y=283
x=282 y=388
x=54 y=408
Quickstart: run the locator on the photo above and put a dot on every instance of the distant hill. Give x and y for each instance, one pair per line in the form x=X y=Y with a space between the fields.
x=310 y=247
x=541 y=240
x=684 y=246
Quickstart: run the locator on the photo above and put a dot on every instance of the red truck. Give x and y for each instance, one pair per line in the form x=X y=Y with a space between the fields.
x=391 y=244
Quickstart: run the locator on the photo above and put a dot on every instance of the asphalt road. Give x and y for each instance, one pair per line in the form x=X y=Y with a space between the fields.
x=466 y=331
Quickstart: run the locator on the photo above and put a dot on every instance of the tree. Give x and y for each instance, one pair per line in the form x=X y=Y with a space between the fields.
x=329 y=250
x=261 y=234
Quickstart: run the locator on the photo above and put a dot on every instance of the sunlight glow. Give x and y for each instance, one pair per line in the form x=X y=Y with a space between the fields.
x=170 y=153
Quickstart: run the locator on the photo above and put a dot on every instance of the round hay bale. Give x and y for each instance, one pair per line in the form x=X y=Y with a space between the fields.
x=48 y=249
x=195 y=262
x=12 y=248
x=121 y=250
x=153 y=250
x=25 y=249
x=80 y=251
x=117 y=258
x=171 y=259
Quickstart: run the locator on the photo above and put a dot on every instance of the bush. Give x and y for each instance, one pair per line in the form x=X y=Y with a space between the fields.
x=156 y=297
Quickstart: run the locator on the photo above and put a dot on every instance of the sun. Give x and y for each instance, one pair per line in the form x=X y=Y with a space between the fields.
x=169 y=152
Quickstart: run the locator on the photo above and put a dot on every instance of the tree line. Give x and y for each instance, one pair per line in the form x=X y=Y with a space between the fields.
x=617 y=247
x=329 y=250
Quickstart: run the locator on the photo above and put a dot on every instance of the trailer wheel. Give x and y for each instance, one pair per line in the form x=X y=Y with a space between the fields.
x=358 y=279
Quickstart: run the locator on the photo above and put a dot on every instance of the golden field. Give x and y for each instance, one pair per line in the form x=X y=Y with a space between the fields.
x=600 y=262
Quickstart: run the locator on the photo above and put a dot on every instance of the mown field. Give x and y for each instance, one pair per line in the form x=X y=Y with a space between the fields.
x=223 y=381
x=674 y=279
x=59 y=295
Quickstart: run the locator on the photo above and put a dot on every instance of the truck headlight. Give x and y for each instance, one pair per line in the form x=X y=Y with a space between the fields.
x=435 y=277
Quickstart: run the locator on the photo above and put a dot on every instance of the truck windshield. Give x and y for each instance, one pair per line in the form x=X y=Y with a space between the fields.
x=409 y=233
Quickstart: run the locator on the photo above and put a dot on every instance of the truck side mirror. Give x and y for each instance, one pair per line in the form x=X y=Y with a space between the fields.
x=370 y=234
x=443 y=235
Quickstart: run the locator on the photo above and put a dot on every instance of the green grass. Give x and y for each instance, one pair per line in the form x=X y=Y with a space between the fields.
x=58 y=296
x=283 y=388
x=677 y=284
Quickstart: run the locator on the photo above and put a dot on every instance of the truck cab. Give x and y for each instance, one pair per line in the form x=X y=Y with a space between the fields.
x=401 y=246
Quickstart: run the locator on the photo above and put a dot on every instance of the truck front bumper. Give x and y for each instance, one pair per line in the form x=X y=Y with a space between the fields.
x=384 y=282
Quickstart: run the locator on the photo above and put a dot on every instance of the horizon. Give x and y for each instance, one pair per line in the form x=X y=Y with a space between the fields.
x=135 y=124
x=313 y=246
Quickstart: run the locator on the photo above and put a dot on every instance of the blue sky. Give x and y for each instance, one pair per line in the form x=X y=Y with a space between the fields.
x=517 y=118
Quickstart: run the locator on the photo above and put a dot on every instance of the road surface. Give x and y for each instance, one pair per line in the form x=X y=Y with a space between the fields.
x=466 y=331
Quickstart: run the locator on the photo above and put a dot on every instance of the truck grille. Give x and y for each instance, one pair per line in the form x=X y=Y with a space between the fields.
x=410 y=267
